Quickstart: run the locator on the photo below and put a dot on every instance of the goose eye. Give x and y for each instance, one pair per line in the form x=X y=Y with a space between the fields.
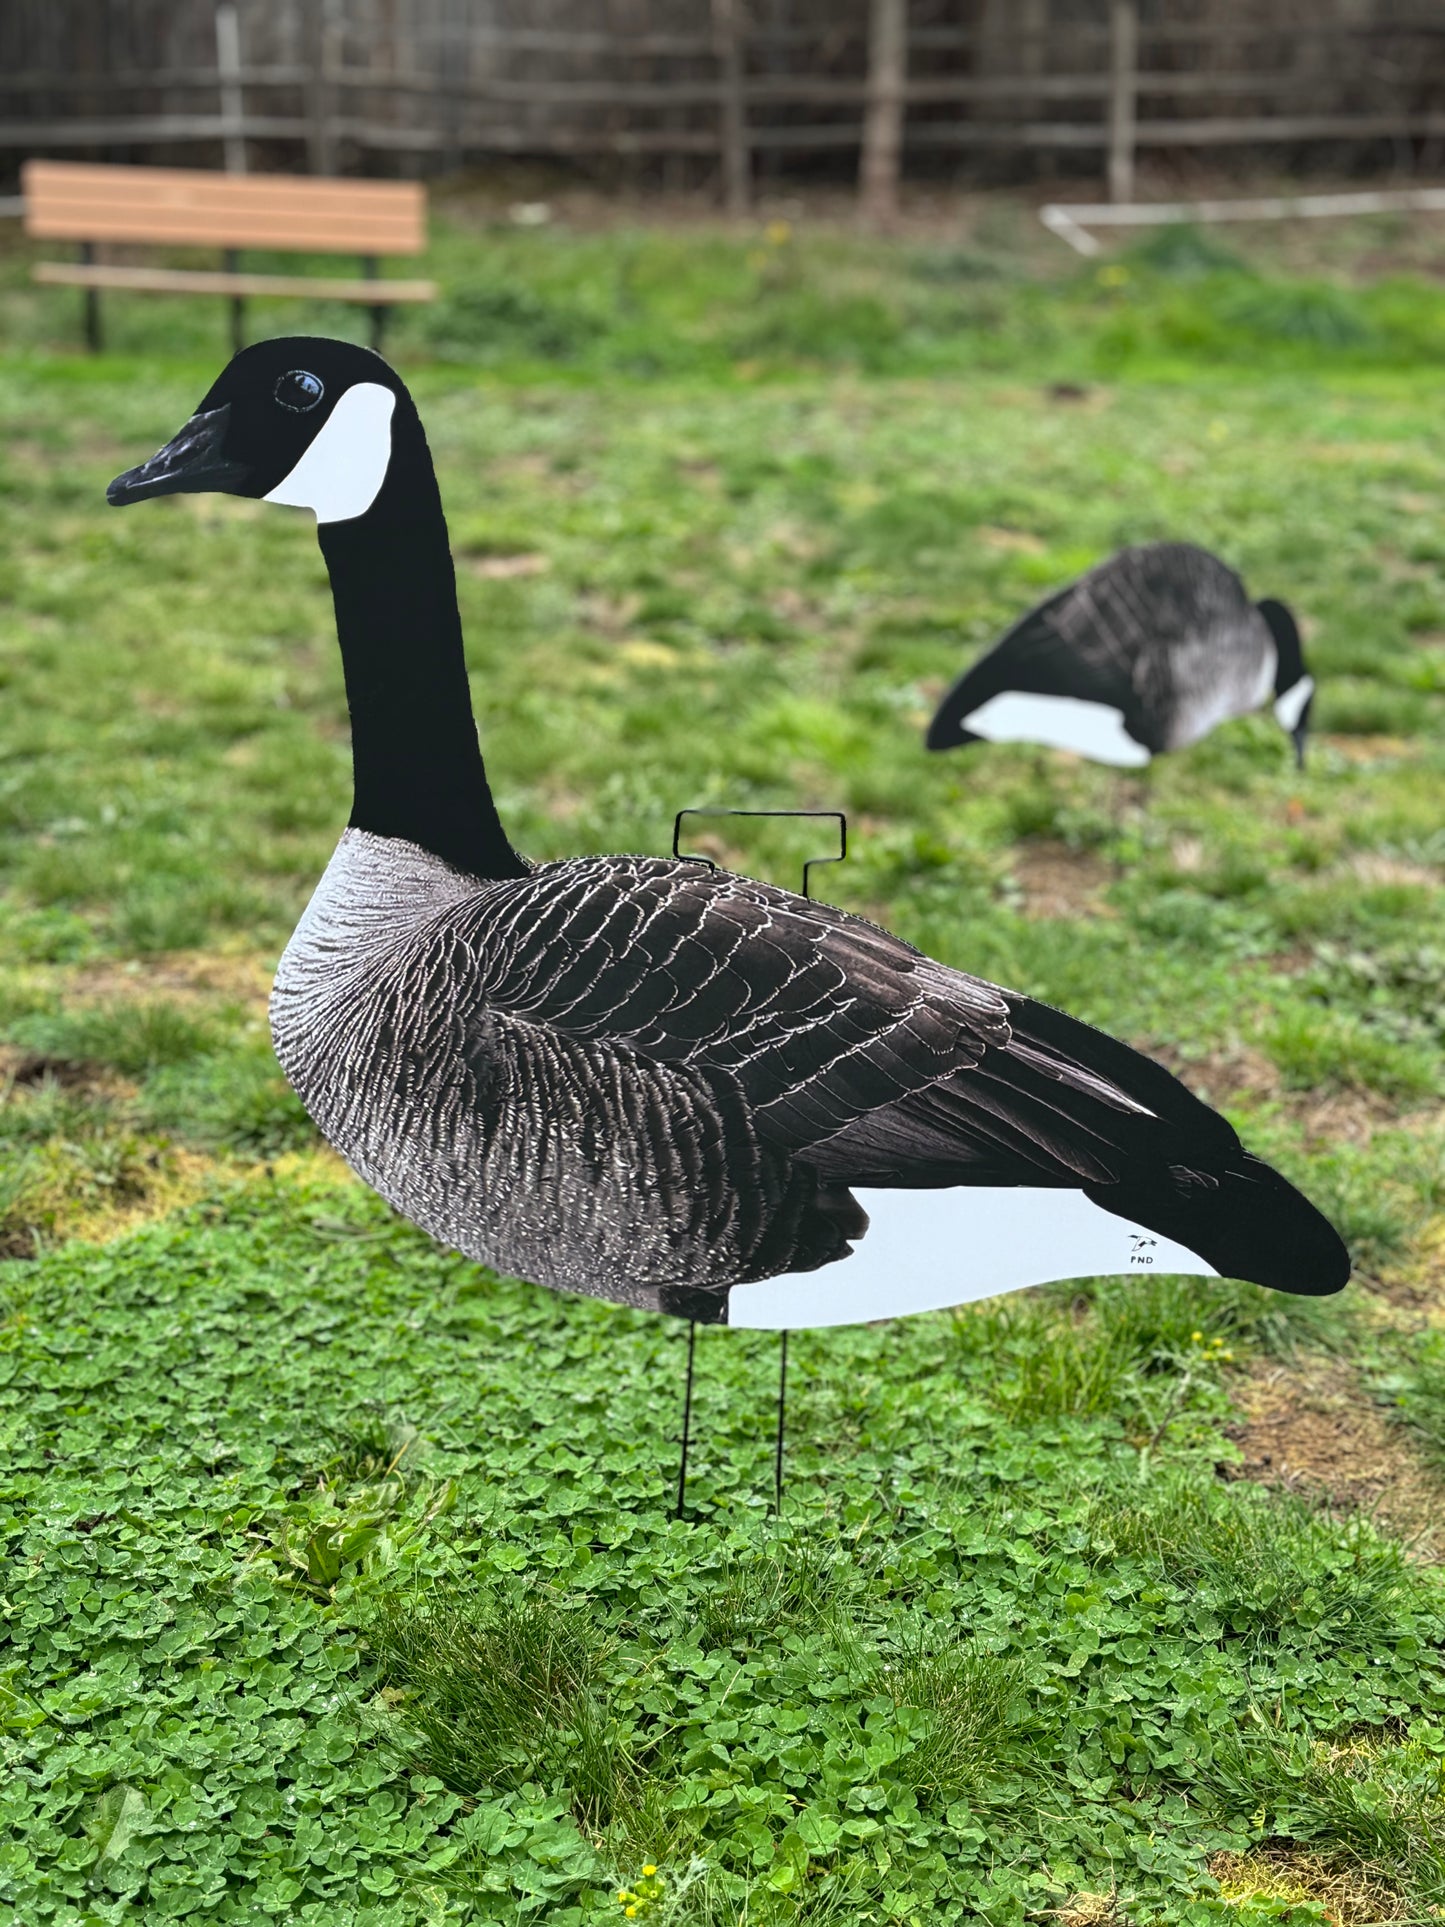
x=299 y=391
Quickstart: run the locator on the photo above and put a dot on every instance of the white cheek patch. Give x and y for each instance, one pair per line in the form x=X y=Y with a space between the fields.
x=1290 y=706
x=926 y=1250
x=341 y=473
x=1058 y=722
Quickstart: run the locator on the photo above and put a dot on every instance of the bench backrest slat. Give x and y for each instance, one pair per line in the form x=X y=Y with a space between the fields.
x=185 y=207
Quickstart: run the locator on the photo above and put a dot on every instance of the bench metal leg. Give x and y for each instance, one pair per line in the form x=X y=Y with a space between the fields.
x=238 y=305
x=94 y=339
x=371 y=268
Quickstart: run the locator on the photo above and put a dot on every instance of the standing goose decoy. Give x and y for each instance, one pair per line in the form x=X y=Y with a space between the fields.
x=642 y=1079
x=1147 y=652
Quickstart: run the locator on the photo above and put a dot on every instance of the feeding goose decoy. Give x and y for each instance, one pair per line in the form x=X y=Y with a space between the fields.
x=1147 y=652
x=637 y=1077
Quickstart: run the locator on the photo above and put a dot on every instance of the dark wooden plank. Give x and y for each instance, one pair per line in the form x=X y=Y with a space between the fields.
x=529 y=140
x=130 y=130
x=30 y=80
x=543 y=93
x=1285 y=127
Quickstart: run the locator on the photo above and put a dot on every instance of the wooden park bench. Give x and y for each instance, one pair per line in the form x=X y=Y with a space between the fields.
x=184 y=207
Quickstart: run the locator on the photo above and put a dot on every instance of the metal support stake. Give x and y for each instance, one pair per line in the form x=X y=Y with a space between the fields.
x=686 y=1419
x=782 y=1410
x=841 y=820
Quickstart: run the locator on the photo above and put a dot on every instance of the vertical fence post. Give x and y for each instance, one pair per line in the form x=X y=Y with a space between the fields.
x=1033 y=28
x=228 y=73
x=1123 y=92
x=320 y=94
x=883 y=112
x=736 y=161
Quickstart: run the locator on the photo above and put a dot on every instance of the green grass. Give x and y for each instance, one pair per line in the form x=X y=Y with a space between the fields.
x=358 y=1570
x=343 y=1584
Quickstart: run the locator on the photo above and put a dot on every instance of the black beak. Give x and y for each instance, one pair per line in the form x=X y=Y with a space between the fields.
x=1299 y=733
x=190 y=464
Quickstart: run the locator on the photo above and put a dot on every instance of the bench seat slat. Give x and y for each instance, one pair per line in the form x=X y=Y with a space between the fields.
x=73 y=201
x=79 y=274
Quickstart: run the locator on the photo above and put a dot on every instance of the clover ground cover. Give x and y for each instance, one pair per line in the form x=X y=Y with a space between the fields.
x=343 y=1584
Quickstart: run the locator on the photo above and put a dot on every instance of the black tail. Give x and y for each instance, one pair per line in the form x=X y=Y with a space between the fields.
x=946 y=731
x=1247 y=1221
x=1033 y=656
x=1185 y=1174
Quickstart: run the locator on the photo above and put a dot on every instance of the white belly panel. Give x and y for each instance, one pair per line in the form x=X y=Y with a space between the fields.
x=925 y=1250
x=1058 y=722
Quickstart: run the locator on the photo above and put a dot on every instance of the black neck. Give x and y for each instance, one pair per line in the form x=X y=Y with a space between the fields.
x=1289 y=651
x=416 y=762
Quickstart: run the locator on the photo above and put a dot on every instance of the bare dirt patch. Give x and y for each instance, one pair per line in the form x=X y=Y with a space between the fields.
x=1358 y=451
x=1370 y=749
x=507 y=568
x=1341 y=1117
x=1374 y=867
x=1090 y=1910
x=611 y=616
x=1232 y=1072
x=31 y=1068
x=1419 y=1287
x=196 y=976
x=1279 y=1870
x=1238 y=1073
x=171 y=1180
x=1059 y=882
x=65 y=1197
x=800 y=610
x=1011 y=541
x=1311 y=1428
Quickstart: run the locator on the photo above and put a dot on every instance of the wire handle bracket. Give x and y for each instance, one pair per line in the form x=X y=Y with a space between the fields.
x=834 y=816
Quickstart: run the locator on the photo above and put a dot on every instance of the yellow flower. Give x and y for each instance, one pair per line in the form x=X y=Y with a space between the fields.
x=629 y=1911
x=624 y=1895
x=1195 y=1337
x=778 y=232
x=649 y=1870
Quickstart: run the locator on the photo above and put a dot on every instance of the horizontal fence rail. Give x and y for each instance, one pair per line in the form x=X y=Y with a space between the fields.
x=327 y=83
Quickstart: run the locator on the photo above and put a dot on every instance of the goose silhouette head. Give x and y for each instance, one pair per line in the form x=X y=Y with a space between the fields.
x=1294 y=687
x=301 y=419
x=329 y=426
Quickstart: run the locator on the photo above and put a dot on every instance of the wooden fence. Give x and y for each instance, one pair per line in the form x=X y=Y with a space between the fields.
x=733 y=87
